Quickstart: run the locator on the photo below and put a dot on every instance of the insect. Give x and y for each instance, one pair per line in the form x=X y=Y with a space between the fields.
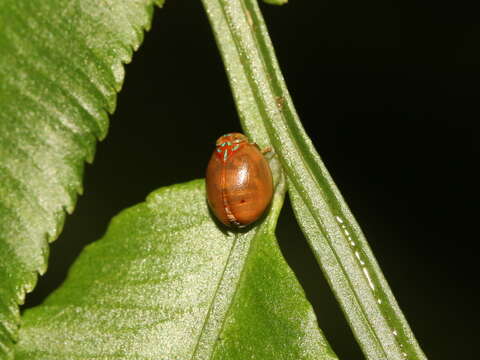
x=239 y=181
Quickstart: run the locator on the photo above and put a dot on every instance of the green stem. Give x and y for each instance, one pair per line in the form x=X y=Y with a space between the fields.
x=269 y=117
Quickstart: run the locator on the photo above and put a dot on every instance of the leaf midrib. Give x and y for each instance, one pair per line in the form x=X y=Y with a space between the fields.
x=205 y=346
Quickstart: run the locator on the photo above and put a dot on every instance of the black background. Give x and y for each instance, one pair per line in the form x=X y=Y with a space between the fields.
x=388 y=92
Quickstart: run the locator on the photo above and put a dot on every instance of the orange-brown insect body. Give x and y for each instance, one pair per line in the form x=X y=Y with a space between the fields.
x=239 y=181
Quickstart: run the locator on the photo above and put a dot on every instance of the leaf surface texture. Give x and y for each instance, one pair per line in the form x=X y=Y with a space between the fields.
x=167 y=283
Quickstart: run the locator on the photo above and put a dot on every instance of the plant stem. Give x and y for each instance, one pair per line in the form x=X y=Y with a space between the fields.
x=269 y=117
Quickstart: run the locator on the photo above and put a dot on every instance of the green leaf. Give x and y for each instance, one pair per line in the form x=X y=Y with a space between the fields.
x=60 y=69
x=275 y=2
x=167 y=283
x=268 y=115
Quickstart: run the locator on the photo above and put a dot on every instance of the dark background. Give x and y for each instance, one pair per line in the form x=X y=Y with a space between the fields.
x=388 y=92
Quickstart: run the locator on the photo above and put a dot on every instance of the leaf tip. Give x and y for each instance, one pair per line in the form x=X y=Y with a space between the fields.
x=160 y=3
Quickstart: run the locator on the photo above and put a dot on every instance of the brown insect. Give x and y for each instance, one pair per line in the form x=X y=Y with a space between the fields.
x=239 y=181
